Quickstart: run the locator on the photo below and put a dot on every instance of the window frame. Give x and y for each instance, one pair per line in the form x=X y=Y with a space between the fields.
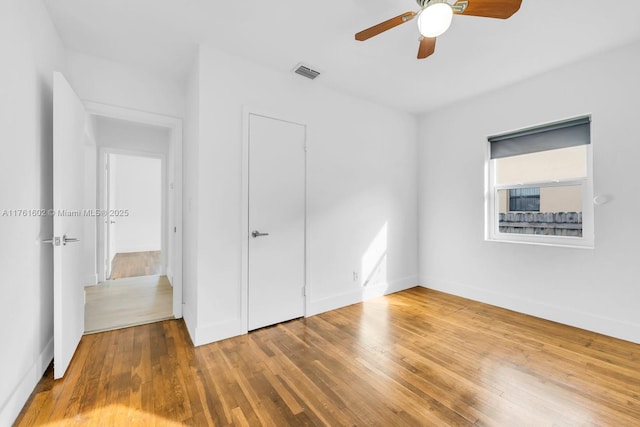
x=492 y=209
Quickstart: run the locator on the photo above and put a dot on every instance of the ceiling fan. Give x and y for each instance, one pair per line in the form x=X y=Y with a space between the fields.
x=434 y=18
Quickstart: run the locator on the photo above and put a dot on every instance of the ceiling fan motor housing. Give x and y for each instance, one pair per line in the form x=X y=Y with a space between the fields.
x=425 y=3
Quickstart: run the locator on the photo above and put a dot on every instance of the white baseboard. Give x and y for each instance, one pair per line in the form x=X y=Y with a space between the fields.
x=359 y=295
x=11 y=408
x=218 y=331
x=190 y=321
x=227 y=329
x=616 y=328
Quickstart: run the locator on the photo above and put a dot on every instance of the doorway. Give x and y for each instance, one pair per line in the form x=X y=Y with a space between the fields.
x=77 y=224
x=137 y=230
x=275 y=203
x=134 y=235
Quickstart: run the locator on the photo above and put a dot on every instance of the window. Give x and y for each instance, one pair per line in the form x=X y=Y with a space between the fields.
x=524 y=199
x=540 y=185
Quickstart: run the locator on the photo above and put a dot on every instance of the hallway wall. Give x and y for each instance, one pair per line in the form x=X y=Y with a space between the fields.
x=31 y=51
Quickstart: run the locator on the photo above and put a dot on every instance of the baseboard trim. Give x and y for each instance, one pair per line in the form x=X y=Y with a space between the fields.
x=189 y=321
x=359 y=295
x=11 y=408
x=218 y=331
x=227 y=329
x=615 y=328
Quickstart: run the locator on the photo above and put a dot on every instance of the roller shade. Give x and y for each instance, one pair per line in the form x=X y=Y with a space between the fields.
x=564 y=134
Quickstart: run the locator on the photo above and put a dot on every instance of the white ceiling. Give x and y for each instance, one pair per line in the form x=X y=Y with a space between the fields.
x=474 y=56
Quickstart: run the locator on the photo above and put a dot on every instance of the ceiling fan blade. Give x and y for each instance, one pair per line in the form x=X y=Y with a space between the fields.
x=384 y=26
x=427 y=47
x=502 y=9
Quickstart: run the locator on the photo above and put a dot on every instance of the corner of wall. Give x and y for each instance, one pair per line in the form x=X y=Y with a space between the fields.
x=11 y=408
x=361 y=295
x=218 y=331
x=190 y=214
x=190 y=321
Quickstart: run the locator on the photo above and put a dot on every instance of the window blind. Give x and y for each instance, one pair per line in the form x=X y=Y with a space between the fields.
x=563 y=134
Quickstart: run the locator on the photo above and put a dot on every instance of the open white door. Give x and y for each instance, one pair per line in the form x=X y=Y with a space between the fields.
x=276 y=264
x=69 y=119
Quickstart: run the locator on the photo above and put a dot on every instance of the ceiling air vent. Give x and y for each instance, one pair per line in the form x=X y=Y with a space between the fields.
x=305 y=71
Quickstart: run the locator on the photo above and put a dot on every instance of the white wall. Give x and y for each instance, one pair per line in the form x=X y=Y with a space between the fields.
x=361 y=167
x=593 y=289
x=125 y=135
x=190 y=199
x=137 y=185
x=108 y=82
x=31 y=50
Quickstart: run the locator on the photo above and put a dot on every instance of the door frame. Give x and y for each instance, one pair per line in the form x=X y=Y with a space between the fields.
x=288 y=118
x=173 y=181
x=103 y=195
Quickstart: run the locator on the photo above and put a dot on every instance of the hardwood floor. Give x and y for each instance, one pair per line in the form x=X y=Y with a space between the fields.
x=135 y=264
x=127 y=302
x=415 y=358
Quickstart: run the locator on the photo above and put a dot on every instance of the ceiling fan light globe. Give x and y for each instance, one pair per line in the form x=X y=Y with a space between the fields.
x=435 y=19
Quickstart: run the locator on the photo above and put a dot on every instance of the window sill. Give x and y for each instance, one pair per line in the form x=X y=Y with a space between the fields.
x=564 y=242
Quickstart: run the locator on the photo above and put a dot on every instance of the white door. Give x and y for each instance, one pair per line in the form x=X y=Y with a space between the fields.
x=276 y=221
x=69 y=120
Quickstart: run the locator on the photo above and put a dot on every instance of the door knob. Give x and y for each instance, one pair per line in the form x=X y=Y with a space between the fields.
x=256 y=233
x=55 y=241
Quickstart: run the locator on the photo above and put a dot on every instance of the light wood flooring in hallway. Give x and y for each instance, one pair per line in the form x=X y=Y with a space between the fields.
x=126 y=302
x=414 y=358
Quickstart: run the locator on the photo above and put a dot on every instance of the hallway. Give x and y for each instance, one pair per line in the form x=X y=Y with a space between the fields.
x=120 y=303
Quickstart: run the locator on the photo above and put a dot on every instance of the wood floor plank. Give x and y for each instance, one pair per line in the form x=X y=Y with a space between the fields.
x=127 y=302
x=239 y=419
x=418 y=357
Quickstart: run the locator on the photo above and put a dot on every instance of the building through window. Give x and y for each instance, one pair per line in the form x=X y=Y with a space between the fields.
x=524 y=199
